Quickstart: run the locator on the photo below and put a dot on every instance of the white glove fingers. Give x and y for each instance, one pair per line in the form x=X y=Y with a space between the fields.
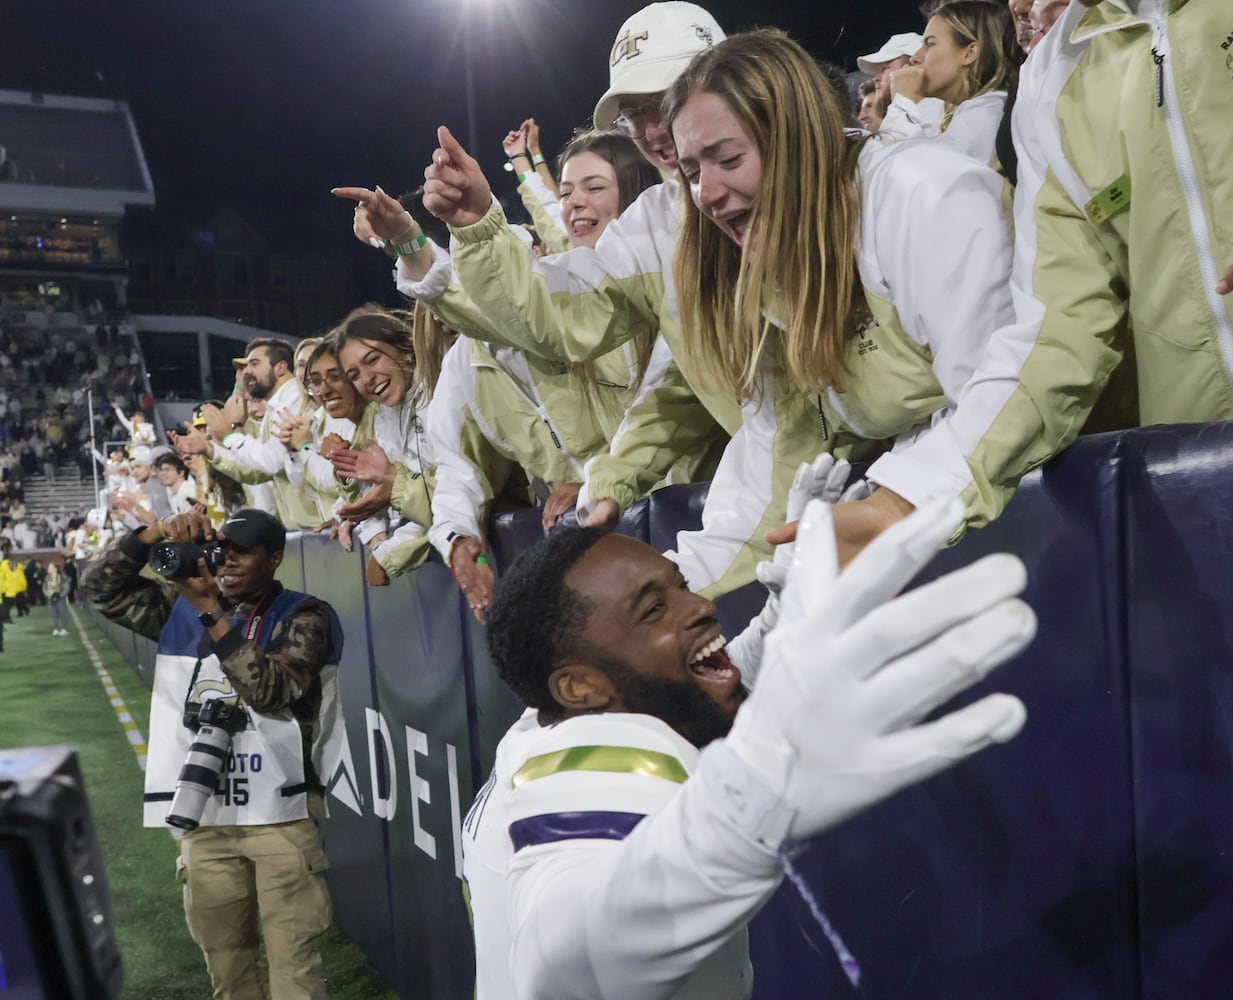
x=912 y=687
x=925 y=750
x=799 y=492
x=771 y=576
x=859 y=490
x=804 y=484
x=922 y=615
x=886 y=565
x=834 y=481
x=814 y=569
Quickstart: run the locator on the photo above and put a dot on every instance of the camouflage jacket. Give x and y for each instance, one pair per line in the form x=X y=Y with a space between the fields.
x=282 y=675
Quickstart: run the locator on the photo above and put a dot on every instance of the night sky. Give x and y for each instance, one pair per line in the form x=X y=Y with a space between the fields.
x=264 y=105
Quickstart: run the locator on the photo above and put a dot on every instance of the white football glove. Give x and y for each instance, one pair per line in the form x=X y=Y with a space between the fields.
x=822 y=479
x=851 y=669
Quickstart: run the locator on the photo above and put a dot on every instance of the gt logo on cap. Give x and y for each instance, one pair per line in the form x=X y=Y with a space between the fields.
x=626 y=47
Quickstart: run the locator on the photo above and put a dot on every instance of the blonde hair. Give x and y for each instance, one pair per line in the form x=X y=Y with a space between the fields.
x=798 y=261
x=998 y=56
x=431 y=338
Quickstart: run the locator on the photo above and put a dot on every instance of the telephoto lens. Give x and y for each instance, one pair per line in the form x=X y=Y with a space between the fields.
x=205 y=761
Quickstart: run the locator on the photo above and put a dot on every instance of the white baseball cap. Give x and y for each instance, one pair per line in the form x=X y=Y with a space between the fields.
x=906 y=44
x=652 y=49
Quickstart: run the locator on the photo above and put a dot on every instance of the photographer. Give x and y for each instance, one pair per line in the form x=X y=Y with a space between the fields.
x=245 y=683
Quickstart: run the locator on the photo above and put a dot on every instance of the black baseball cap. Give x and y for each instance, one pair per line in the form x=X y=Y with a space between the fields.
x=250 y=527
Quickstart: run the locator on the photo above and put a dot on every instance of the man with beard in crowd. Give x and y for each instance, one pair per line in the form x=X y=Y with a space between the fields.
x=266 y=375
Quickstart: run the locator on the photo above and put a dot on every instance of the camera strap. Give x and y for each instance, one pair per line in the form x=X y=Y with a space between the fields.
x=251 y=629
x=204 y=643
x=192 y=683
x=254 y=618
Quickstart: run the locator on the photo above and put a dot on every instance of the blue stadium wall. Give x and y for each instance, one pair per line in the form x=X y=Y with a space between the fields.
x=1089 y=858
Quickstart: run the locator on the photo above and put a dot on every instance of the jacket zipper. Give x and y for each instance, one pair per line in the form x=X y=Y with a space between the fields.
x=1158 y=58
x=534 y=400
x=1166 y=87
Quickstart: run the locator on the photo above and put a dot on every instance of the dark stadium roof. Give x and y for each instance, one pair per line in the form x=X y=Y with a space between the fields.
x=70 y=154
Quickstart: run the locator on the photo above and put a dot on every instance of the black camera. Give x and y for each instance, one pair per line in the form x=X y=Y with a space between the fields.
x=217 y=713
x=215 y=723
x=57 y=935
x=178 y=560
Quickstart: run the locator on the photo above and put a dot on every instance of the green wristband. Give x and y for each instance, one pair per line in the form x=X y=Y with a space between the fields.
x=413 y=245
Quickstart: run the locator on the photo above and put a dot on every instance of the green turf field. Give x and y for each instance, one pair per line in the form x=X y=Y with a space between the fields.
x=51 y=693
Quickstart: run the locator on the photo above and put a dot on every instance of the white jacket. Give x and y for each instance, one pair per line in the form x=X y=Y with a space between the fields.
x=1122 y=132
x=973 y=127
x=400 y=431
x=620 y=876
x=934 y=264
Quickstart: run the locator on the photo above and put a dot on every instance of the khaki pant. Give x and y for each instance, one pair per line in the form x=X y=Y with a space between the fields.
x=232 y=875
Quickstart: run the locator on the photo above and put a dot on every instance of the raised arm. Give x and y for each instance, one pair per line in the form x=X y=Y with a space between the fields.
x=665 y=423
x=118 y=591
x=574 y=306
x=536 y=185
x=833 y=726
x=1045 y=366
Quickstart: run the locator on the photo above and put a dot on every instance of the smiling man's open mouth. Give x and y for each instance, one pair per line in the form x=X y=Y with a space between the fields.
x=711 y=665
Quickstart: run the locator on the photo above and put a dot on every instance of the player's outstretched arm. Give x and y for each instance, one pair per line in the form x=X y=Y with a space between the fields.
x=832 y=727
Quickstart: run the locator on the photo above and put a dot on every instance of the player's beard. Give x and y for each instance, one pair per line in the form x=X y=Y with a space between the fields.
x=681 y=704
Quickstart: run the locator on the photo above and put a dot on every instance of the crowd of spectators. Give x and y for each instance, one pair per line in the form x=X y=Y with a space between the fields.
x=737 y=270
x=48 y=376
x=584 y=379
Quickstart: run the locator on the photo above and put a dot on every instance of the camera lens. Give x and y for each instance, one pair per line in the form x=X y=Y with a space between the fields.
x=174 y=560
x=199 y=777
x=165 y=559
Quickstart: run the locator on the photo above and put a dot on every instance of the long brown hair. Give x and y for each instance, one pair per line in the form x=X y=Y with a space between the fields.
x=992 y=27
x=417 y=341
x=798 y=261
x=431 y=338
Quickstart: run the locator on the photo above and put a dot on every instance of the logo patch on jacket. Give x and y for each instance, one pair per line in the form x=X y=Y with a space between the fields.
x=1112 y=201
x=863 y=326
